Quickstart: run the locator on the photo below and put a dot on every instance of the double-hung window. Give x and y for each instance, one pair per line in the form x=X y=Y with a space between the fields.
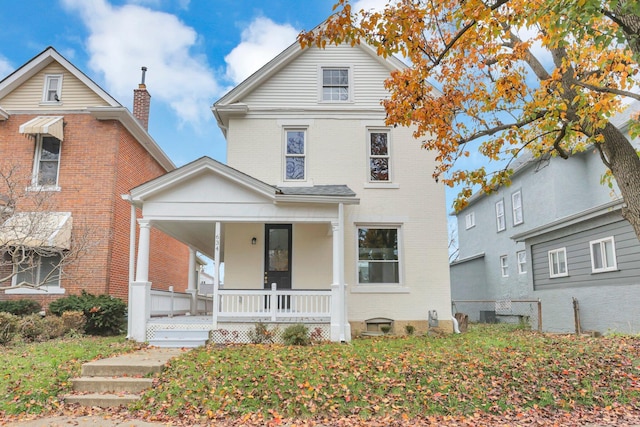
x=46 y=163
x=335 y=84
x=500 y=221
x=558 y=263
x=603 y=255
x=379 y=156
x=295 y=154
x=522 y=262
x=516 y=206
x=38 y=271
x=504 y=266
x=378 y=255
x=52 y=88
x=470 y=220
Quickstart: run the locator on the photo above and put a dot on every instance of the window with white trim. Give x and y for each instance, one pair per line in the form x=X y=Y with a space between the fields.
x=516 y=206
x=504 y=266
x=335 y=84
x=558 y=263
x=37 y=270
x=522 y=262
x=379 y=156
x=603 y=255
x=378 y=255
x=470 y=220
x=500 y=222
x=295 y=154
x=46 y=164
x=52 y=92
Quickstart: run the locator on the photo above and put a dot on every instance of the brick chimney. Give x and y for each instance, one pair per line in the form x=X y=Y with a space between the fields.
x=141 y=102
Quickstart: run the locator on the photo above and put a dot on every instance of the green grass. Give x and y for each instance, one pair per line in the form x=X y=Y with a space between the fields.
x=489 y=370
x=32 y=376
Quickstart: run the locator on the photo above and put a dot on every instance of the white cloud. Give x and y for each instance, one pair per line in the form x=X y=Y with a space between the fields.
x=370 y=4
x=5 y=67
x=260 y=42
x=124 y=38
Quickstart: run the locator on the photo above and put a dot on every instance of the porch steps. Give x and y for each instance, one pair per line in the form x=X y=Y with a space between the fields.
x=118 y=380
x=179 y=338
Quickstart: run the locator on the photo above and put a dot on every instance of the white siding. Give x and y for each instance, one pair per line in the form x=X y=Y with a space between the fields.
x=296 y=86
x=75 y=94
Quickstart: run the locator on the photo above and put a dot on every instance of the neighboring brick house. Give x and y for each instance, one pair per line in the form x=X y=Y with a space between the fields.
x=86 y=150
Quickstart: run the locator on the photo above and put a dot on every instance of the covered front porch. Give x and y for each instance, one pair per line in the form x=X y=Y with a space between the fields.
x=283 y=250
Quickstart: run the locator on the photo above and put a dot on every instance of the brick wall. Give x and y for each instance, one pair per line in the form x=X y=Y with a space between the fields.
x=99 y=161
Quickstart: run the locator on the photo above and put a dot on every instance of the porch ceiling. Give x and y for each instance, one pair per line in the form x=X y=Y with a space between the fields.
x=197 y=234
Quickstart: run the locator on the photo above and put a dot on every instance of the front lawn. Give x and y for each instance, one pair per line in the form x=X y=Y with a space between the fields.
x=32 y=376
x=489 y=370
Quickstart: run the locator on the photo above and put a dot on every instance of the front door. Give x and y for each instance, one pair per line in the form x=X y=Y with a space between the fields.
x=277 y=259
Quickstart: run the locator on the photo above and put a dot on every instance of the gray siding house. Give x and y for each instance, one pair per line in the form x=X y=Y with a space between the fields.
x=555 y=234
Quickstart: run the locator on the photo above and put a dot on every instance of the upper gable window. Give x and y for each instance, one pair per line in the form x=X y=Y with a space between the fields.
x=379 y=156
x=47 y=162
x=335 y=84
x=470 y=220
x=52 y=88
x=295 y=154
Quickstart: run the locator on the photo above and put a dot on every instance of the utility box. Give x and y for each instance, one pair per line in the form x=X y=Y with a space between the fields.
x=433 y=319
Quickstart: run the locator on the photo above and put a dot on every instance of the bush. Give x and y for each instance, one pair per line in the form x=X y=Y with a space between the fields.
x=20 y=307
x=261 y=334
x=409 y=329
x=105 y=314
x=73 y=321
x=8 y=327
x=296 y=335
x=32 y=328
x=53 y=327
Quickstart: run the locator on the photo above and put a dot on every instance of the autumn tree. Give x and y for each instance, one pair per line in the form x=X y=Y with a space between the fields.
x=35 y=251
x=506 y=76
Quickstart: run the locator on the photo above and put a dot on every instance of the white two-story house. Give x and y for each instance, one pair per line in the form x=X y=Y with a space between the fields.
x=320 y=205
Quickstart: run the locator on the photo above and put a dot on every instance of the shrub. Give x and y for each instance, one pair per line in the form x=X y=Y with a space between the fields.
x=409 y=329
x=105 y=314
x=8 y=327
x=20 y=307
x=74 y=321
x=32 y=328
x=261 y=334
x=53 y=327
x=385 y=329
x=296 y=335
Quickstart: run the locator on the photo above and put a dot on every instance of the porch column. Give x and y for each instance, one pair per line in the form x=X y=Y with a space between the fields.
x=132 y=259
x=338 y=294
x=216 y=277
x=191 y=281
x=141 y=288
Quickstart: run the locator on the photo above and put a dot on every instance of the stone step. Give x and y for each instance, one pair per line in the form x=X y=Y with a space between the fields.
x=141 y=363
x=177 y=343
x=101 y=400
x=111 y=384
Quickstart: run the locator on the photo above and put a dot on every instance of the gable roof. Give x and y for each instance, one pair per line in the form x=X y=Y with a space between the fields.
x=42 y=60
x=230 y=103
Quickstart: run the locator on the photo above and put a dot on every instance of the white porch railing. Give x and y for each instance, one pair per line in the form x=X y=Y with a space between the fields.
x=169 y=303
x=274 y=304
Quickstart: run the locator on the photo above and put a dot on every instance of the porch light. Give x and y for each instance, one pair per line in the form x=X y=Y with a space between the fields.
x=254 y=241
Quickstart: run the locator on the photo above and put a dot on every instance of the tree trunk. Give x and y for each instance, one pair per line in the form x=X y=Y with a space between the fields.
x=625 y=166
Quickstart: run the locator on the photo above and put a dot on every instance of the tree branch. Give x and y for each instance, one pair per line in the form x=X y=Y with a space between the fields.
x=607 y=90
x=496 y=129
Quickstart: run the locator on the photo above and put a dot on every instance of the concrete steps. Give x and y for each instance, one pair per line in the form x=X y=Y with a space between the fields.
x=119 y=380
x=172 y=338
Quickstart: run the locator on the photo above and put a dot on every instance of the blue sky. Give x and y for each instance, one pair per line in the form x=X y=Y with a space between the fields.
x=195 y=51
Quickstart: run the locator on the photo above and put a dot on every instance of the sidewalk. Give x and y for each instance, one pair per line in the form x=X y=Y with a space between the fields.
x=86 y=421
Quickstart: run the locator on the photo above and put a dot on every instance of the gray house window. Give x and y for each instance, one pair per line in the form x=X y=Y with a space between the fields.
x=500 y=221
x=522 y=262
x=470 y=220
x=558 y=263
x=504 y=266
x=603 y=255
x=516 y=206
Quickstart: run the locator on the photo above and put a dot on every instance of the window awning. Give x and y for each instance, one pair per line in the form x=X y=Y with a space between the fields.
x=47 y=125
x=37 y=229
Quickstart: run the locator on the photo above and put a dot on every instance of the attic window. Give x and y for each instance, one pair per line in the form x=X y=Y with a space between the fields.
x=335 y=84
x=52 y=92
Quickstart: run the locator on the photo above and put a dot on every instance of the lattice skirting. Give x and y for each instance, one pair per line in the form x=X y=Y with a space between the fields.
x=239 y=332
